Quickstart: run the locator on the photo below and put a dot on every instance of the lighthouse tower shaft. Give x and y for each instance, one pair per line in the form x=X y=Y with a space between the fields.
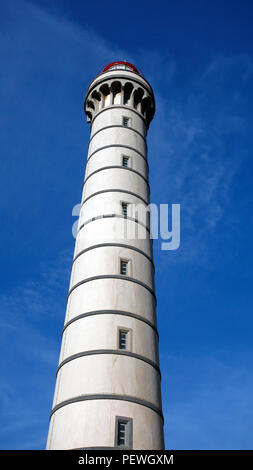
x=108 y=392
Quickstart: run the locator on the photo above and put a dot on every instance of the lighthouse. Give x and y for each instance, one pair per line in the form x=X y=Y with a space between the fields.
x=108 y=382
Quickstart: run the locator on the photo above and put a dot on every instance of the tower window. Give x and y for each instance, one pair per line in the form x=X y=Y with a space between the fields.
x=122 y=339
x=126 y=121
x=124 y=267
x=124 y=432
x=124 y=209
x=125 y=161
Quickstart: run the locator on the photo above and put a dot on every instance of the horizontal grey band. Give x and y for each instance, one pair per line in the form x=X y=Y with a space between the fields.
x=117 y=145
x=107 y=396
x=117 y=352
x=115 y=191
x=108 y=216
x=110 y=312
x=113 y=276
x=120 y=245
x=121 y=106
x=118 y=167
x=118 y=125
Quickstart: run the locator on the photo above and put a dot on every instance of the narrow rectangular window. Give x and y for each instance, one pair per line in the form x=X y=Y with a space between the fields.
x=125 y=161
x=124 y=432
x=122 y=339
x=125 y=121
x=124 y=209
x=123 y=267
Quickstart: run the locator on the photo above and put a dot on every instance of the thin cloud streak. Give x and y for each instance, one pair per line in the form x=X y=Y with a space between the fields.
x=191 y=161
x=46 y=55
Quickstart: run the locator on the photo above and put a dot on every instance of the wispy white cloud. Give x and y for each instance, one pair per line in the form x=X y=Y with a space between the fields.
x=192 y=162
x=30 y=315
x=28 y=307
x=48 y=60
x=222 y=67
x=35 y=47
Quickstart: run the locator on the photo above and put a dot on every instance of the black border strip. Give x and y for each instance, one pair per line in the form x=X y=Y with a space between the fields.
x=112 y=276
x=120 y=245
x=110 y=312
x=118 y=352
x=118 y=125
x=108 y=396
x=117 y=145
x=114 y=191
x=119 y=167
x=113 y=215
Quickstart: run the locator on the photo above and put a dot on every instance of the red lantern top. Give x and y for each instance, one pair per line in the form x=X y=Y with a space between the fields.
x=121 y=65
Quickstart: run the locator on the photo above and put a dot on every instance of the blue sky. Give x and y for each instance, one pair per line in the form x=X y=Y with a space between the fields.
x=198 y=56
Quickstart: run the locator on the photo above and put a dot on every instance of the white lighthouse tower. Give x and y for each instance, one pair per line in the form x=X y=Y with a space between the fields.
x=108 y=391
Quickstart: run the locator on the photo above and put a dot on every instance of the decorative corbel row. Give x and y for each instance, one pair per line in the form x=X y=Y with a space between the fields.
x=119 y=92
